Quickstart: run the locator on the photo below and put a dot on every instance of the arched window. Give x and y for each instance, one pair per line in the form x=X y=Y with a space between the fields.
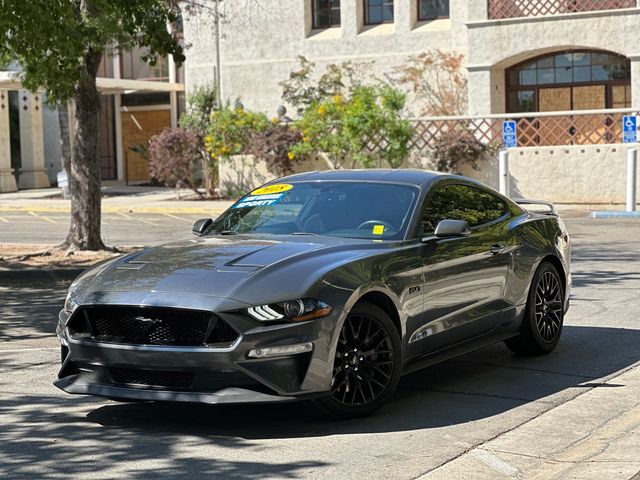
x=574 y=80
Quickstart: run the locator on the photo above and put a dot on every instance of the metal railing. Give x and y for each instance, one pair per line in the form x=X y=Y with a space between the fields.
x=498 y=9
x=536 y=129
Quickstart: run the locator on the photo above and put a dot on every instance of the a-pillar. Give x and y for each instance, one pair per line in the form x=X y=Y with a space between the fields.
x=32 y=173
x=7 y=180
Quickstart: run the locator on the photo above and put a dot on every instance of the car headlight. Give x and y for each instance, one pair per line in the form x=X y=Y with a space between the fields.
x=70 y=303
x=297 y=310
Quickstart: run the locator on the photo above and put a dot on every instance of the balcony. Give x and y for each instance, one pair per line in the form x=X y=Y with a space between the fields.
x=500 y=9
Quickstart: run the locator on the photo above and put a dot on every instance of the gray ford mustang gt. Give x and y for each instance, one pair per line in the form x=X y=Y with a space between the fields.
x=323 y=285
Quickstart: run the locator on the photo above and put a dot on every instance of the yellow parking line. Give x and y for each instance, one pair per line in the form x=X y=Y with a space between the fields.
x=41 y=217
x=177 y=218
x=2 y=219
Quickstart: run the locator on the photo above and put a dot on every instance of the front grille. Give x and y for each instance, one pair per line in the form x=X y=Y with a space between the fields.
x=151 y=378
x=151 y=326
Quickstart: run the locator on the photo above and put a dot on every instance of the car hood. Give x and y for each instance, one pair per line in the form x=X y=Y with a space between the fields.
x=241 y=268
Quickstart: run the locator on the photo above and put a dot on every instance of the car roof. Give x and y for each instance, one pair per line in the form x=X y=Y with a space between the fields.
x=406 y=176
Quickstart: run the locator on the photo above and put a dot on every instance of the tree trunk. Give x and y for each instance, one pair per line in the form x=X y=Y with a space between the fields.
x=84 y=174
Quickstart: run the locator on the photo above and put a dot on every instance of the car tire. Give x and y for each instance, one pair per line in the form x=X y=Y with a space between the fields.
x=367 y=364
x=544 y=314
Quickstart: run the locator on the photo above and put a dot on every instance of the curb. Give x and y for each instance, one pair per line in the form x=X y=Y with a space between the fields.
x=40 y=274
x=614 y=214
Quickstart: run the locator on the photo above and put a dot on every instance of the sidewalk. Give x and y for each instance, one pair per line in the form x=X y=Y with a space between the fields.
x=120 y=199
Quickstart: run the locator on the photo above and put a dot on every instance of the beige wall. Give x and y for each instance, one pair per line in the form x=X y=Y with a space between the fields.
x=581 y=174
x=262 y=40
x=261 y=44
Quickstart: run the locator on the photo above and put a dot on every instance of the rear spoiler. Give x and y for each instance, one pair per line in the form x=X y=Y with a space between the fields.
x=537 y=206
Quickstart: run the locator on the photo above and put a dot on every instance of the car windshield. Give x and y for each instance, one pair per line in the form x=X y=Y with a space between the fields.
x=342 y=209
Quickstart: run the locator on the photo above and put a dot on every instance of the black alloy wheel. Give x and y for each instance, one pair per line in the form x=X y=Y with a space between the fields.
x=544 y=314
x=367 y=363
x=548 y=308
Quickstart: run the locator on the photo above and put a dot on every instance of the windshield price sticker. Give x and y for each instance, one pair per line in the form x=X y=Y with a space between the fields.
x=378 y=229
x=259 y=200
x=269 y=189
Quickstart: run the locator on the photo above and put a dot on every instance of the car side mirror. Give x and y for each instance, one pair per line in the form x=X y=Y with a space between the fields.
x=201 y=226
x=448 y=229
x=452 y=228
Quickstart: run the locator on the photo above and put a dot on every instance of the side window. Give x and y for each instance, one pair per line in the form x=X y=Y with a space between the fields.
x=461 y=202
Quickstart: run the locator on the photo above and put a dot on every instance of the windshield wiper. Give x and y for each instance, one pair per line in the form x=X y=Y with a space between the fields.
x=305 y=233
x=228 y=232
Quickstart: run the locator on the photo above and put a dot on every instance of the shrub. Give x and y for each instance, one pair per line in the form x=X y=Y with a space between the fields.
x=200 y=104
x=175 y=160
x=275 y=146
x=301 y=89
x=437 y=79
x=231 y=130
x=364 y=130
x=458 y=147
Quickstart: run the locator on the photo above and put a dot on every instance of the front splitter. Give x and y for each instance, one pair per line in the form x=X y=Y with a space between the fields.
x=77 y=384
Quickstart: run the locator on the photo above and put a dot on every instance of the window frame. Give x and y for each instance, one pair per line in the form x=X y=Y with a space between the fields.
x=508 y=212
x=314 y=11
x=383 y=22
x=536 y=87
x=438 y=17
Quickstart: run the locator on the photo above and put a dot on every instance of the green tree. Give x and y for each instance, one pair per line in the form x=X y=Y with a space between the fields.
x=363 y=130
x=60 y=44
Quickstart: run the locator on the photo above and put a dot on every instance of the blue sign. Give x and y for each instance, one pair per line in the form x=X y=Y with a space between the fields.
x=509 y=134
x=630 y=129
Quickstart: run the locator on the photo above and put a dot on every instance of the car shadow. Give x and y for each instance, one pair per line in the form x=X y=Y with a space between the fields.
x=475 y=386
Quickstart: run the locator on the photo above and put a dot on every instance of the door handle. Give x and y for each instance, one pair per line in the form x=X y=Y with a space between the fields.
x=496 y=249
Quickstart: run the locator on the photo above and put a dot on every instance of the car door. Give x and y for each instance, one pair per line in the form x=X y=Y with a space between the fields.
x=464 y=277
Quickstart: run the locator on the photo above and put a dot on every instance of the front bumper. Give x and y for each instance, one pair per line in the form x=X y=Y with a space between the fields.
x=204 y=374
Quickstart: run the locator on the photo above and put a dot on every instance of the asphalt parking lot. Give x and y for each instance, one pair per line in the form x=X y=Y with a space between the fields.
x=118 y=228
x=572 y=414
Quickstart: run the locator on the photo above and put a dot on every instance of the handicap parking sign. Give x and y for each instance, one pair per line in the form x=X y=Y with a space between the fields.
x=509 y=132
x=630 y=129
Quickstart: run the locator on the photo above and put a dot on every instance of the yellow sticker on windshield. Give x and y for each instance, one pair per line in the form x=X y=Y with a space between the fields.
x=269 y=189
x=378 y=229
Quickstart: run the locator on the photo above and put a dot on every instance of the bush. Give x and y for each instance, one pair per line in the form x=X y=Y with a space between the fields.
x=275 y=146
x=231 y=131
x=175 y=160
x=458 y=147
x=363 y=130
x=200 y=104
x=302 y=89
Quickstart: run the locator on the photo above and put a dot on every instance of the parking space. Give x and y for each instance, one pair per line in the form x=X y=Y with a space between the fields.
x=118 y=228
x=453 y=420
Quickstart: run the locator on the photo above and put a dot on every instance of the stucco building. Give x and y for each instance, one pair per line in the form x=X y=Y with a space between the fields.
x=523 y=58
x=520 y=55
x=137 y=102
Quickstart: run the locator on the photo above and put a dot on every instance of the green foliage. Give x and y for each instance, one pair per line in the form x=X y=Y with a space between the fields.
x=231 y=129
x=302 y=89
x=58 y=43
x=458 y=147
x=201 y=103
x=365 y=129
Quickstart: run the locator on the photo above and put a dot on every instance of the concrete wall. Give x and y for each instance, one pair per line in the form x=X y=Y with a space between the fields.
x=263 y=39
x=515 y=40
x=52 y=155
x=575 y=174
